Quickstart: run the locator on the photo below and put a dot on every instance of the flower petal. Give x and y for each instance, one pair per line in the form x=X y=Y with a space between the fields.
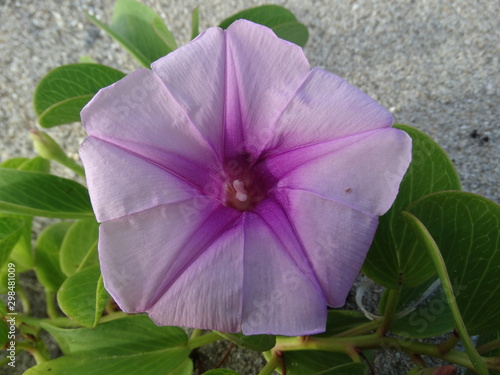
x=278 y=297
x=336 y=237
x=208 y=294
x=138 y=113
x=137 y=184
x=362 y=172
x=194 y=75
x=324 y=108
x=141 y=255
x=263 y=73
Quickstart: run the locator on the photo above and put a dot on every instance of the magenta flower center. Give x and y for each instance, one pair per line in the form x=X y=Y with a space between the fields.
x=244 y=188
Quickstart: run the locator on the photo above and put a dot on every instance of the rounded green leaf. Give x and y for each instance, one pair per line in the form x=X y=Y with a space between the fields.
x=466 y=228
x=127 y=346
x=82 y=296
x=258 y=343
x=396 y=257
x=47 y=268
x=279 y=19
x=79 y=245
x=42 y=194
x=64 y=91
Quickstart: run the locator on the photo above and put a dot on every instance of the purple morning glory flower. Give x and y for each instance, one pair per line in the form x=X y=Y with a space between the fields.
x=238 y=189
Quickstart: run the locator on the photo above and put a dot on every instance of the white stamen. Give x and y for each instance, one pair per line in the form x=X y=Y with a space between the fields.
x=241 y=193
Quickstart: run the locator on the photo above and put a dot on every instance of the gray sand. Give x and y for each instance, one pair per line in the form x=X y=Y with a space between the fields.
x=434 y=64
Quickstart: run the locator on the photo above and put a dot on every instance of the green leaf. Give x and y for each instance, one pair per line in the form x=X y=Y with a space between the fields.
x=21 y=253
x=47 y=248
x=79 y=245
x=41 y=194
x=13 y=163
x=84 y=59
x=396 y=257
x=128 y=346
x=342 y=320
x=164 y=33
x=433 y=250
x=139 y=30
x=258 y=343
x=195 y=21
x=11 y=229
x=428 y=320
x=466 y=228
x=320 y=362
x=418 y=317
x=64 y=91
x=346 y=369
x=82 y=297
x=279 y=19
x=37 y=164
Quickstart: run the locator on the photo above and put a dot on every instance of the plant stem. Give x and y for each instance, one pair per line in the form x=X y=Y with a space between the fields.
x=361 y=329
x=51 y=307
x=418 y=360
x=58 y=322
x=196 y=333
x=112 y=316
x=374 y=341
x=270 y=366
x=489 y=346
x=390 y=309
x=449 y=344
x=25 y=302
x=202 y=340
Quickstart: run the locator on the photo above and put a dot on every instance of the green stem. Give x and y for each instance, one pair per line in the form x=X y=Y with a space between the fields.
x=5 y=360
x=40 y=353
x=196 y=333
x=433 y=250
x=51 y=306
x=418 y=360
x=202 y=340
x=390 y=309
x=270 y=366
x=75 y=167
x=361 y=329
x=449 y=344
x=25 y=302
x=112 y=316
x=489 y=346
x=376 y=342
x=58 y=322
